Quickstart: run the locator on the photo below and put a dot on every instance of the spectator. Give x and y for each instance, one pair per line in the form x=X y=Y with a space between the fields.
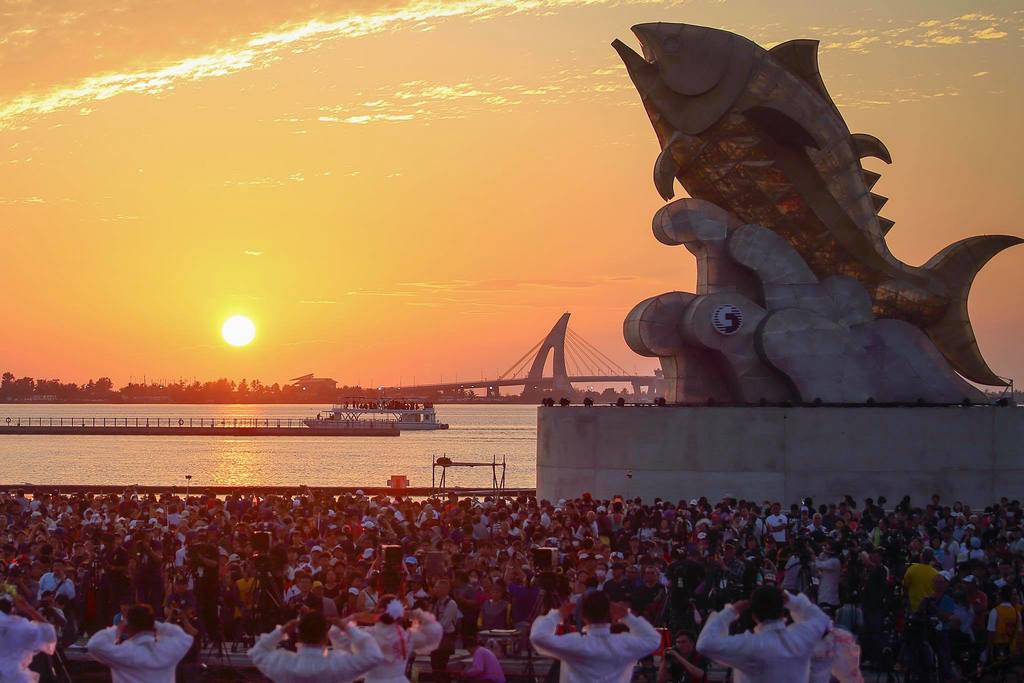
x=1004 y=625
x=446 y=611
x=681 y=663
x=494 y=613
x=483 y=666
x=57 y=581
x=919 y=579
x=829 y=568
x=649 y=600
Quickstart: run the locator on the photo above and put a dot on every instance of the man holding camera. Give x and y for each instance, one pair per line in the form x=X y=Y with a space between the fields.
x=140 y=649
x=599 y=655
x=57 y=581
x=204 y=563
x=147 y=569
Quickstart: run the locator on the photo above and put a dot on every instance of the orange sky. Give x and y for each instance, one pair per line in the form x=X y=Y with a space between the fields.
x=409 y=190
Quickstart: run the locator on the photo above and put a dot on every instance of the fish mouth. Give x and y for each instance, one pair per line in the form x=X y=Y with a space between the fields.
x=642 y=70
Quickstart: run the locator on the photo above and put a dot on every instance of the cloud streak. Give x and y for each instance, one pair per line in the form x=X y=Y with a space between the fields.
x=263 y=49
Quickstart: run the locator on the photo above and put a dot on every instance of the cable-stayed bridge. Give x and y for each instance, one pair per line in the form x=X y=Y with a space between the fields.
x=574 y=361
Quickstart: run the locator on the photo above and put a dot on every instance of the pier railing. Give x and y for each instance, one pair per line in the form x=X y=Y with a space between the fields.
x=185 y=422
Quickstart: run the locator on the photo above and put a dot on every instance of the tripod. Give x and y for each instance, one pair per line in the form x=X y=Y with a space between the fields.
x=60 y=666
x=546 y=599
x=268 y=600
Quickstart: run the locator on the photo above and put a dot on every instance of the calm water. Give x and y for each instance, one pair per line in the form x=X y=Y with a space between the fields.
x=477 y=432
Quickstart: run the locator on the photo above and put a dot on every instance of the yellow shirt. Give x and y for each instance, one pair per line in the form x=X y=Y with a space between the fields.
x=245 y=596
x=918 y=581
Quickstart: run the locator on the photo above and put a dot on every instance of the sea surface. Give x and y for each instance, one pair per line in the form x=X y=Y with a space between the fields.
x=476 y=433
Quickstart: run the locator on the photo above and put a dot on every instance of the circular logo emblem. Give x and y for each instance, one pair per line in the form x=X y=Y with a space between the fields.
x=727 y=319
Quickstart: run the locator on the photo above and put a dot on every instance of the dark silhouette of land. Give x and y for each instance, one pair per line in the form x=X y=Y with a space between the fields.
x=102 y=390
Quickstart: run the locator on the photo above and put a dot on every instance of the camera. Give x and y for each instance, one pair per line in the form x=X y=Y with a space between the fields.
x=544 y=561
x=391 y=570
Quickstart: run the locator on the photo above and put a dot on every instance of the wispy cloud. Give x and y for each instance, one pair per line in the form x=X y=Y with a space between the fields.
x=120 y=219
x=297 y=177
x=21 y=201
x=371 y=292
x=965 y=29
x=317 y=302
x=497 y=285
x=426 y=101
x=263 y=49
x=990 y=33
x=250 y=252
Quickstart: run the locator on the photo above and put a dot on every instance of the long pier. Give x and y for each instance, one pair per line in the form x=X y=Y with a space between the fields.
x=251 y=490
x=187 y=426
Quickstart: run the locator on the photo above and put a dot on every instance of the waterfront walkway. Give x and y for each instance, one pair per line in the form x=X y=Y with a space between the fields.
x=188 y=426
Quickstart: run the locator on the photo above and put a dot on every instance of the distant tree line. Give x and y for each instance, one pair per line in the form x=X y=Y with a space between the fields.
x=29 y=389
x=219 y=391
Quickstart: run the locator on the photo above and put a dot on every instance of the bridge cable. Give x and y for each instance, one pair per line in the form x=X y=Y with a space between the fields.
x=597 y=369
x=570 y=359
x=612 y=364
x=519 y=364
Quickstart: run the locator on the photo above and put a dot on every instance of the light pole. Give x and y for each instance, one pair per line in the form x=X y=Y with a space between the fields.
x=188 y=483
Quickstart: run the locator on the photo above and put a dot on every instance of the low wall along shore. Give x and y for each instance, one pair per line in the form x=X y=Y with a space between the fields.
x=974 y=454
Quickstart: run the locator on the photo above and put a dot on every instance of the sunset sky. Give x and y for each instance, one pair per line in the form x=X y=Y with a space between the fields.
x=400 y=190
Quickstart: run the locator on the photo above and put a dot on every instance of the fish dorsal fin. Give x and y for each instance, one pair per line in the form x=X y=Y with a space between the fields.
x=800 y=57
x=870 y=177
x=869 y=146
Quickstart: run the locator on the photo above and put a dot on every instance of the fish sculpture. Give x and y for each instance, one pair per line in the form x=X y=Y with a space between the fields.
x=755 y=133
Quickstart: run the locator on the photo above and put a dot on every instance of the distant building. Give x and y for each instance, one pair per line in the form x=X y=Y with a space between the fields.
x=315 y=385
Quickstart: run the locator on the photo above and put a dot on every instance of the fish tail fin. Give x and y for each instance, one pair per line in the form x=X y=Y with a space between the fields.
x=956 y=266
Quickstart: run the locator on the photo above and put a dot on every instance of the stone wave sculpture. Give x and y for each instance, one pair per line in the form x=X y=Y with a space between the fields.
x=798 y=296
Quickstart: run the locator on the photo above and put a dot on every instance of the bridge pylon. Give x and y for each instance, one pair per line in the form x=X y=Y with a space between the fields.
x=553 y=343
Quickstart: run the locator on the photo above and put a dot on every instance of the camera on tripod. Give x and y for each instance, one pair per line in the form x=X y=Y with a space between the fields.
x=544 y=561
x=261 y=551
x=391 y=576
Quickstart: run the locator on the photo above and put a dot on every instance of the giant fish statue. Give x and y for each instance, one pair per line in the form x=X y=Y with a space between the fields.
x=754 y=137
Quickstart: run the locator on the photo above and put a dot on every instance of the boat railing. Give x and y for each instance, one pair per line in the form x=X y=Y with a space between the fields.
x=183 y=422
x=409 y=408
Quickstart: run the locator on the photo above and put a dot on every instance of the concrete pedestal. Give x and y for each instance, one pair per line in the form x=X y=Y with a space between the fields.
x=971 y=454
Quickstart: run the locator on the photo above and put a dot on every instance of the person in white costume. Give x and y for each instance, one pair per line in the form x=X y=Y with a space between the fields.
x=774 y=652
x=836 y=657
x=352 y=654
x=139 y=649
x=398 y=644
x=21 y=639
x=600 y=656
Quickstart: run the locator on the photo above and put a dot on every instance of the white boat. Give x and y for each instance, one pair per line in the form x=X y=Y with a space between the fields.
x=407 y=414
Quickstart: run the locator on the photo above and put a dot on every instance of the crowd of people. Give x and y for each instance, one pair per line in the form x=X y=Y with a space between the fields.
x=934 y=588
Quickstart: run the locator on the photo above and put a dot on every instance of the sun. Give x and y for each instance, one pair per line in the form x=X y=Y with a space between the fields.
x=238 y=330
